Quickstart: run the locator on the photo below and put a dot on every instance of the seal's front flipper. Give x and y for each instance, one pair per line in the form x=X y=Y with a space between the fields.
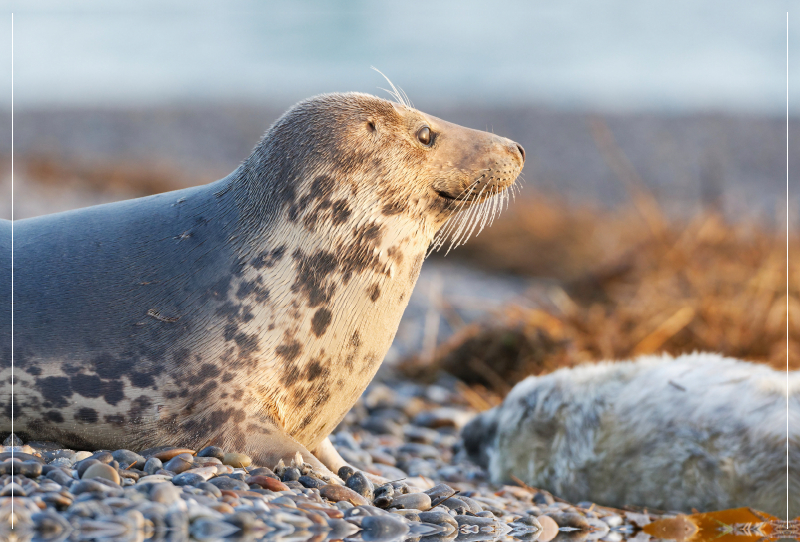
x=329 y=457
x=269 y=450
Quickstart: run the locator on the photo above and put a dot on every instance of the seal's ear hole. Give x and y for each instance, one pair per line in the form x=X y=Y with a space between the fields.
x=371 y=126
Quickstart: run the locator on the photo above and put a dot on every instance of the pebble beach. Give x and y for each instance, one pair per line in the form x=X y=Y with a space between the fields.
x=402 y=431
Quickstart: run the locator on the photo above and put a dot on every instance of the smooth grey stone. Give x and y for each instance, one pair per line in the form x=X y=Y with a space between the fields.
x=294 y=485
x=102 y=457
x=359 y=483
x=416 y=501
x=60 y=477
x=425 y=451
x=455 y=504
x=153 y=465
x=94 y=486
x=180 y=463
x=187 y=479
x=421 y=435
x=290 y=474
x=210 y=488
x=212 y=451
x=379 y=425
x=263 y=471
x=128 y=459
x=437 y=517
x=346 y=472
x=236 y=476
x=440 y=491
x=310 y=482
x=474 y=506
x=226 y=482
x=84 y=464
x=165 y=493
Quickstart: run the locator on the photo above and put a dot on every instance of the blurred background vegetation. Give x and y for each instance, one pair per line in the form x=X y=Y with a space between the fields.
x=653 y=211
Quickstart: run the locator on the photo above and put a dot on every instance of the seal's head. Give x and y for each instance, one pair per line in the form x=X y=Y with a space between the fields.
x=335 y=153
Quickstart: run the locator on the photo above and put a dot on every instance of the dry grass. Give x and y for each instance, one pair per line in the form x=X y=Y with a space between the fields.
x=629 y=282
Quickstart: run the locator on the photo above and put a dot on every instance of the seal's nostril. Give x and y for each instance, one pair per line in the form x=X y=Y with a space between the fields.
x=522 y=152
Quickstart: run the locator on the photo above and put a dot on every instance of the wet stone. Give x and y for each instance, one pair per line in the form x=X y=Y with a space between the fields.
x=102 y=457
x=188 y=479
x=310 y=482
x=210 y=488
x=128 y=459
x=225 y=482
x=165 y=493
x=457 y=505
x=570 y=519
x=291 y=474
x=60 y=477
x=340 y=493
x=437 y=517
x=416 y=501
x=266 y=482
x=359 y=483
x=212 y=451
x=346 y=472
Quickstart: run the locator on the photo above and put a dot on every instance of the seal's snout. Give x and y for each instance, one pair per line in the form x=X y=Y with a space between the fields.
x=521 y=151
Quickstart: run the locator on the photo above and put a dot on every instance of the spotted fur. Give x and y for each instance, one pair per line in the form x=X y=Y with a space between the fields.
x=251 y=312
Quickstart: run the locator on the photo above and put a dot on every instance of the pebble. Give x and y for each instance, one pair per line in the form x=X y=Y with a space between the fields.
x=212 y=451
x=359 y=483
x=169 y=492
x=180 y=463
x=152 y=465
x=416 y=501
x=101 y=470
x=267 y=482
x=340 y=493
x=238 y=461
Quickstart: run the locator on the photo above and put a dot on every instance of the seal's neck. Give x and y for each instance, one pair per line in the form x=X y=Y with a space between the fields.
x=325 y=286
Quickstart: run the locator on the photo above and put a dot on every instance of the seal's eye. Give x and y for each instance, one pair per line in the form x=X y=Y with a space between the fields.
x=424 y=136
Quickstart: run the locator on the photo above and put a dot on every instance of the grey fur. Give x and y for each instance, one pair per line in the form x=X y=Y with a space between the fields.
x=699 y=431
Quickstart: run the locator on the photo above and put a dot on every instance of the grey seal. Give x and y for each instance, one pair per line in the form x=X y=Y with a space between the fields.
x=698 y=431
x=251 y=312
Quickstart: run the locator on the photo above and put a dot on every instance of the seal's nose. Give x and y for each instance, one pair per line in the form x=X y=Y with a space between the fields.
x=522 y=152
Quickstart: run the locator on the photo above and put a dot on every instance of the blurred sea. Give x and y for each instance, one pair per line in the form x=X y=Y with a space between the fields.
x=614 y=55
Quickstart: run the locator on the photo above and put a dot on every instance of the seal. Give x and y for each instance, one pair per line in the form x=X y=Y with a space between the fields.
x=252 y=312
x=697 y=431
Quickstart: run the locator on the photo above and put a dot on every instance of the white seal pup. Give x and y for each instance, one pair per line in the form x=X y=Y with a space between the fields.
x=699 y=431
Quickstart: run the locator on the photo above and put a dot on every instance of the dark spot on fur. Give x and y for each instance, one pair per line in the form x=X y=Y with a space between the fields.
x=139 y=407
x=268 y=258
x=115 y=419
x=392 y=208
x=316 y=369
x=320 y=321
x=341 y=212
x=248 y=344
x=206 y=371
x=395 y=255
x=33 y=370
x=141 y=380
x=86 y=415
x=237 y=394
x=87 y=385
x=112 y=392
x=252 y=288
x=313 y=274
x=106 y=366
x=227 y=377
x=53 y=416
x=54 y=390
x=289 y=351
x=355 y=340
x=374 y=292
x=230 y=332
